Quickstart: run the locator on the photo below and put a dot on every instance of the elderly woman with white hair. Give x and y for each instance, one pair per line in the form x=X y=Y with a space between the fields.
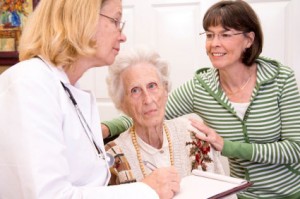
x=138 y=84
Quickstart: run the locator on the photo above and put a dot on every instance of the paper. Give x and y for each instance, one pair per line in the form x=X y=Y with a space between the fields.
x=203 y=185
x=219 y=177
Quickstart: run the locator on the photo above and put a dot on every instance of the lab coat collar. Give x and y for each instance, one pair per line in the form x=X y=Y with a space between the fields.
x=59 y=72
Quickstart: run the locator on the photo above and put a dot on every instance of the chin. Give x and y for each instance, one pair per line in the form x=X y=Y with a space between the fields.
x=218 y=64
x=107 y=62
x=105 y=59
x=110 y=60
x=155 y=122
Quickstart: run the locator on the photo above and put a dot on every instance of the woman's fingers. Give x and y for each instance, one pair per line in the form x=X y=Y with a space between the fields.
x=209 y=135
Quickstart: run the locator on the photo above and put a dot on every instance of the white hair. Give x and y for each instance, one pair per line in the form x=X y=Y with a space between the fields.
x=130 y=58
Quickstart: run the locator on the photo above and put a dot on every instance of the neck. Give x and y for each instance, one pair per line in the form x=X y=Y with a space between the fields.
x=77 y=69
x=151 y=135
x=236 y=80
x=138 y=151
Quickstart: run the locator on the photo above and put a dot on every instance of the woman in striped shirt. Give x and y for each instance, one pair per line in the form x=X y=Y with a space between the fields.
x=250 y=103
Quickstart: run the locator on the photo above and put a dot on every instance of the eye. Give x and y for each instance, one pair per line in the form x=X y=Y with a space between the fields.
x=152 y=85
x=115 y=22
x=226 y=35
x=210 y=35
x=135 y=91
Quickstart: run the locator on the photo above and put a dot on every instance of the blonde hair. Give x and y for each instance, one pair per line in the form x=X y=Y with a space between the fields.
x=61 y=30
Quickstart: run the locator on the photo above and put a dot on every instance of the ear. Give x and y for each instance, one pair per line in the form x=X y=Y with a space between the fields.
x=250 y=37
x=166 y=89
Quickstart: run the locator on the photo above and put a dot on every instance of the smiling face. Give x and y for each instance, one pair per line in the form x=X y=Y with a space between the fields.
x=227 y=52
x=109 y=36
x=145 y=96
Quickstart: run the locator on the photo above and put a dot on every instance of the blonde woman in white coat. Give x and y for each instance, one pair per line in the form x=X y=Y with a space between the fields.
x=50 y=137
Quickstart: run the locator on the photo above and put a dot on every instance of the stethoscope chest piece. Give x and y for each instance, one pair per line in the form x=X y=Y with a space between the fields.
x=110 y=159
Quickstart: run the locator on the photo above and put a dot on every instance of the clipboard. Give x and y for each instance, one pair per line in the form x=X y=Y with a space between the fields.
x=206 y=185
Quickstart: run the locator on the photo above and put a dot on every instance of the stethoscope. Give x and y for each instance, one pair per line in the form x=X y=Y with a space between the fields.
x=105 y=156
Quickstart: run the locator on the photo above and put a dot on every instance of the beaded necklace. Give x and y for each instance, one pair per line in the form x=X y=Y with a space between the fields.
x=138 y=152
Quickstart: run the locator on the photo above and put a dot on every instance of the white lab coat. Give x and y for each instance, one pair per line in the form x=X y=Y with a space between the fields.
x=44 y=151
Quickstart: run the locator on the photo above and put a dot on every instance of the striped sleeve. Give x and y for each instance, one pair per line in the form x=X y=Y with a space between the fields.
x=287 y=149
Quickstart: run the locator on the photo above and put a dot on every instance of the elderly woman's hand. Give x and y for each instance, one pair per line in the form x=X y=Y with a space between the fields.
x=208 y=134
x=165 y=181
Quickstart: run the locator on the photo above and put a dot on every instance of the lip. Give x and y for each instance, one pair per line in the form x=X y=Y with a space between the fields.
x=217 y=54
x=117 y=49
x=150 y=112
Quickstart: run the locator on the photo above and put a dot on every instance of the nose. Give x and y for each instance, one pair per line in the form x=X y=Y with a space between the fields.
x=147 y=98
x=123 y=37
x=215 y=40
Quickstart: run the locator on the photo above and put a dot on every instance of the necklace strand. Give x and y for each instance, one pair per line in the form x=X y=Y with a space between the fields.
x=239 y=90
x=138 y=152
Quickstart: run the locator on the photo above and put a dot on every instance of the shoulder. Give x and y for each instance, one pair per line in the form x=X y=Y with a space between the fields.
x=205 y=73
x=206 y=77
x=182 y=123
x=123 y=138
x=31 y=68
x=33 y=78
x=177 y=123
x=179 y=128
x=32 y=75
x=273 y=68
x=204 y=70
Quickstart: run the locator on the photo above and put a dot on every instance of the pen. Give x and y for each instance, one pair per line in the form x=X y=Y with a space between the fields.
x=149 y=165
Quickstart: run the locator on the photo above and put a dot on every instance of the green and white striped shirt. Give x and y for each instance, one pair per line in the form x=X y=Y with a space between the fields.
x=264 y=146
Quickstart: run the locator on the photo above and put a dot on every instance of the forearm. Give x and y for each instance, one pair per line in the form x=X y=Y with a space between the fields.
x=240 y=150
x=283 y=152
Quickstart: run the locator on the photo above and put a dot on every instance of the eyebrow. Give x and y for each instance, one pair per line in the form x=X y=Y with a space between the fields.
x=119 y=14
x=222 y=31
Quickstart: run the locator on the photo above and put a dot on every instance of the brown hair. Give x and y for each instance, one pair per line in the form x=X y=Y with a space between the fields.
x=240 y=16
